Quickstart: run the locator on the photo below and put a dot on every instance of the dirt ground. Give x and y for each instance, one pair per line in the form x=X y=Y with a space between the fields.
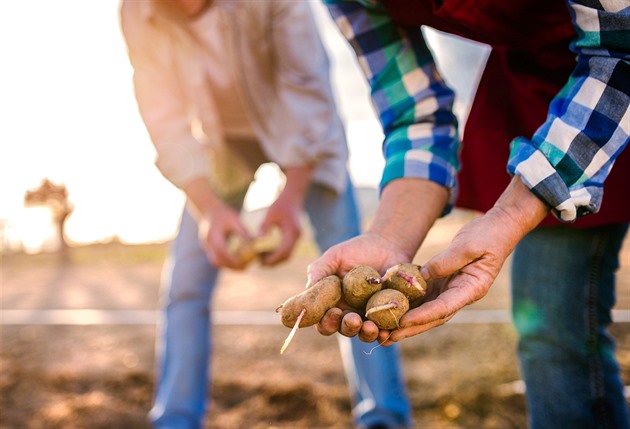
x=85 y=374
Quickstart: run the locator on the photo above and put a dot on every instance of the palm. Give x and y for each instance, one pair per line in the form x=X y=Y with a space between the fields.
x=366 y=249
x=474 y=258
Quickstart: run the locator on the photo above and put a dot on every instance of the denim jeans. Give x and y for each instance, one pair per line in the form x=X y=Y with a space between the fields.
x=563 y=282
x=184 y=344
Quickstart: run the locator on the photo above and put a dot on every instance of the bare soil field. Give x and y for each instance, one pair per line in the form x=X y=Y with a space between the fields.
x=79 y=373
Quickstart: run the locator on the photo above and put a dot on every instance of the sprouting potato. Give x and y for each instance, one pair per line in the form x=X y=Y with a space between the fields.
x=386 y=307
x=308 y=307
x=385 y=299
x=359 y=284
x=248 y=251
x=242 y=250
x=407 y=279
x=317 y=300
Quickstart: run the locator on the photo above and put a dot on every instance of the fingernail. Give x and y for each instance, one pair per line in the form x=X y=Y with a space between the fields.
x=425 y=273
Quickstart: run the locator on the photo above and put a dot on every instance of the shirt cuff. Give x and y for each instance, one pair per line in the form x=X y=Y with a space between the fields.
x=539 y=175
x=422 y=164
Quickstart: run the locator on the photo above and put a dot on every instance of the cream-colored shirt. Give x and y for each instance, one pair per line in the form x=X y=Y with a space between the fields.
x=282 y=77
x=221 y=78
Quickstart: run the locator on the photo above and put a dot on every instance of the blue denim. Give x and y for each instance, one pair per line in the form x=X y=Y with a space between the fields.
x=563 y=282
x=184 y=346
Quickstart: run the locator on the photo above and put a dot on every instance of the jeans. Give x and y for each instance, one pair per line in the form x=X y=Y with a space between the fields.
x=184 y=345
x=563 y=282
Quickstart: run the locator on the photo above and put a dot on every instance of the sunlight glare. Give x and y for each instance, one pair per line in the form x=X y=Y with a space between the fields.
x=36 y=229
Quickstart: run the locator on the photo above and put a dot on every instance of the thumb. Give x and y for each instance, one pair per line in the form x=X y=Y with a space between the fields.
x=264 y=227
x=445 y=263
x=318 y=270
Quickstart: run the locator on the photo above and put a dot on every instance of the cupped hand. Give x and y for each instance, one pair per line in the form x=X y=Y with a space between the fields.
x=461 y=274
x=368 y=249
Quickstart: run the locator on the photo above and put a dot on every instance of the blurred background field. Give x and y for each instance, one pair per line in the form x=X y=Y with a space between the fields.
x=77 y=343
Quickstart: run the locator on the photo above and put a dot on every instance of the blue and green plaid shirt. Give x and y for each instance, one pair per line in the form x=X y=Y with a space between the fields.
x=567 y=160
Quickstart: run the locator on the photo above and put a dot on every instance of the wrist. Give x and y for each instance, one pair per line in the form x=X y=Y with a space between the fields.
x=298 y=181
x=520 y=206
x=407 y=210
x=201 y=196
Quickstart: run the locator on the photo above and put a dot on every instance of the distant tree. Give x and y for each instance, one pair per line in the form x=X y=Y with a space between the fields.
x=55 y=197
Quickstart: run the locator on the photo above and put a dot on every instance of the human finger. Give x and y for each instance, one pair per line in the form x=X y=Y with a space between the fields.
x=350 y=324
x=322 y=267
x=369 y=332
x=331 y=322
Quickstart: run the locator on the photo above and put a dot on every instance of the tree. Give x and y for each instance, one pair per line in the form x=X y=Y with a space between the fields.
x=55 y=197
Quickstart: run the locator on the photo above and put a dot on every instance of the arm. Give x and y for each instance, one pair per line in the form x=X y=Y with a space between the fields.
x=464 y=272
x=306 y=112
x=563 y=167
x=305 y=116
x=588 y=125
x=180 y=156
x=412 y=101
x=161 y=99
x=420 y=148
x=421 y=142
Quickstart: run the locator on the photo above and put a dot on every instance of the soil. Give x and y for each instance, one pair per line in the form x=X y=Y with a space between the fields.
x=81 y=374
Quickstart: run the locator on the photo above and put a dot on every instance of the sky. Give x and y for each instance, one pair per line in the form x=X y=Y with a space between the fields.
x=69 y=115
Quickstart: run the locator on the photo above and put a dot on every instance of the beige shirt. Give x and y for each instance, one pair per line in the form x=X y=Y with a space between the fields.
x=221 y=78
x=281 y=75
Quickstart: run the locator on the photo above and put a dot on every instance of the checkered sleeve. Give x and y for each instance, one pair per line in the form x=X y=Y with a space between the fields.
x=588 y=124
x=412 y=101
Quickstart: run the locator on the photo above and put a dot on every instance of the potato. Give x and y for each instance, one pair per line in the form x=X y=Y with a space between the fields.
x=248 y=251
x=359 y=284
x=241 y=249
x=316 y=300
x=407 y=279
x=386 y=307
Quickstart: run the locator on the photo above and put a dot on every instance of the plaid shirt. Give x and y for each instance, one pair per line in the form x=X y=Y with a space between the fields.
x=567 y=160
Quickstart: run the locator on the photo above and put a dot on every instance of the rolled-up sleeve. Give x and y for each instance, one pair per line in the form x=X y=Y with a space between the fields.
x=569 y=157
x=413 y=102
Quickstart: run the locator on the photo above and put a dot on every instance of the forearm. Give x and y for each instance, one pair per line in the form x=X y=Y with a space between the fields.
x=413 y=102
x=200 y=194
x=521 y=208
x=298 y=181
x=407 y=210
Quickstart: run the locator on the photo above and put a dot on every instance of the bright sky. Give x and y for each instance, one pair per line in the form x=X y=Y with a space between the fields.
x=68 y=114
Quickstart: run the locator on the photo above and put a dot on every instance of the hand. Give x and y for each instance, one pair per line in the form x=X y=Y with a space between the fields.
x=407 y=209
x=217 y=222
x=368 y=249
x=215 y=229
x=458 y=276
x=464 y=272
x=286 y=216
x=285 y=213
